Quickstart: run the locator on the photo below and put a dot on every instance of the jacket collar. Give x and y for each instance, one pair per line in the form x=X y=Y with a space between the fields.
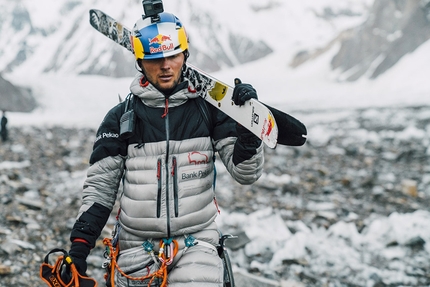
x=154 y=98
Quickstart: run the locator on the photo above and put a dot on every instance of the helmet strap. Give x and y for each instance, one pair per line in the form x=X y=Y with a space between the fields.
x=138 y=66
x=187 y=55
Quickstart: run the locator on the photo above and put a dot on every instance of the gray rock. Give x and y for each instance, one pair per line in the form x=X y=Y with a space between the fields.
x=40 y=199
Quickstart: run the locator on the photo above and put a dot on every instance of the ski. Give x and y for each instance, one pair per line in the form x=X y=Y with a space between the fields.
x=257 y=117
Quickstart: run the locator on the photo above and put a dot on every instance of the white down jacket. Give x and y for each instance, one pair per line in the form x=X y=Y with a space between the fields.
x=166 y=166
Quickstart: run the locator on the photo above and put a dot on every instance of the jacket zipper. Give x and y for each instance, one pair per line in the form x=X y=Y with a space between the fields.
x=166 y=118
x=175 y=185
x=159 y=188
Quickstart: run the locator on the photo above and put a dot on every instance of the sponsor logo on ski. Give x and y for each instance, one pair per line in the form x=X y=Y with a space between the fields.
x=268 y=125
x=255 y=117
x=218 y=92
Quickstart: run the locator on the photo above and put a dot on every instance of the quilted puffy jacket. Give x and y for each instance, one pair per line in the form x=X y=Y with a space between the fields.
x=166 y=166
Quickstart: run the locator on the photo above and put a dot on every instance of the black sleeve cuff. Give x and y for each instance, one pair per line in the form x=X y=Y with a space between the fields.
x=90 y=224
x=244 y=151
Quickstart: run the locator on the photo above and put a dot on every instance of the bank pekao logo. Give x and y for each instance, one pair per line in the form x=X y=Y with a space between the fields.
x=106 y=135
x=195 y=174
x=196 y=157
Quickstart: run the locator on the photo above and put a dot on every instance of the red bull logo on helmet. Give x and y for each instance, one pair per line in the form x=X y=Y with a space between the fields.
x=164 y=43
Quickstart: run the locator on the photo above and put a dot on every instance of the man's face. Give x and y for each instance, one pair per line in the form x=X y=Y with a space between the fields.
x=164 y=73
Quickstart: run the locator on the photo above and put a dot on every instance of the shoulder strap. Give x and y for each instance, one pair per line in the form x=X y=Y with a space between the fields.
x=204 y=111
x=129 y=103
x=207 y=117
x=127 y=121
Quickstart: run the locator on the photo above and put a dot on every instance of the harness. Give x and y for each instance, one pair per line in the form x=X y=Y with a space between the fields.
x=168 y=251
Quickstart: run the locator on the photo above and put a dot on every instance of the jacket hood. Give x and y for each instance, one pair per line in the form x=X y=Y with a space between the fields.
x=154 y=98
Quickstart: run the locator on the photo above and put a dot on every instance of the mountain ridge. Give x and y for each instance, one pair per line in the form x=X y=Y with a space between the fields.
x=325 y=43
x=63 y=42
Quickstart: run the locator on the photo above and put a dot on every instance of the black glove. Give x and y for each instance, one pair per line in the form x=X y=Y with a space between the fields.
x=79 y=252
x=247 y=137
x=246 y=145
x=243 y=92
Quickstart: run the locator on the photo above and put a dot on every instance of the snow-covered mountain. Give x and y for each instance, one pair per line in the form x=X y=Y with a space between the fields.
x=55 y=36
x=297 y=54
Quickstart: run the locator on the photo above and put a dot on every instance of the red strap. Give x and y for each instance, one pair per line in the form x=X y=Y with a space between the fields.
x=142 y=83
x=80 y=240
x=191 y=90
x=119 y=211
x=166 y=109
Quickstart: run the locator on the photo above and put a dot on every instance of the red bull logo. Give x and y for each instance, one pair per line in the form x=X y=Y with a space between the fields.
x=270 y=127
x=267 y=127
x=165 y=38
x=160 y=40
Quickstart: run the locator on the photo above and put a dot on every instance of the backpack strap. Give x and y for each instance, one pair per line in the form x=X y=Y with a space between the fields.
x=128 y=119
x=207 y=117
x=204 y=111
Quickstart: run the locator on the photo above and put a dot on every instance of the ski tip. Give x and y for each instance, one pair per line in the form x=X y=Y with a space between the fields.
x=270 y=144
x=94 y=18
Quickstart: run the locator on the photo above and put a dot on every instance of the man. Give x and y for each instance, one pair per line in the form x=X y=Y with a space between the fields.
x=165 y=161
x=3 y=128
